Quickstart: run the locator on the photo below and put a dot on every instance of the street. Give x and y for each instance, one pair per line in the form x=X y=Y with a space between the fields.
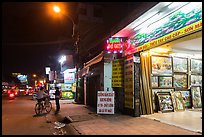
x=18 y=118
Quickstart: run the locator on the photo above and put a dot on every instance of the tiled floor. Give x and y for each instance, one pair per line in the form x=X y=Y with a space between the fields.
x=127 y=125
x=190 y=120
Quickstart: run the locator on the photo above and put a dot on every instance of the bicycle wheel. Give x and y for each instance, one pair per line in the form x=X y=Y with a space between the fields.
x=38 y=108
x=48 y=107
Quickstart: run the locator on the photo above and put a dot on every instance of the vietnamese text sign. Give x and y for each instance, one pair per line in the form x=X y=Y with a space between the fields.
x=128 y=82
x=117 y=73
x=105 y=102
x=171 y=36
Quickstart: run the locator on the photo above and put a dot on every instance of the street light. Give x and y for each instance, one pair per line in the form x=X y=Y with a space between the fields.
x=57 y=9
x=75 y=36
x=62 y=60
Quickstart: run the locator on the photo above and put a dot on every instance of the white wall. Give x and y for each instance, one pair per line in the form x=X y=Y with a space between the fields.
x=108 y=76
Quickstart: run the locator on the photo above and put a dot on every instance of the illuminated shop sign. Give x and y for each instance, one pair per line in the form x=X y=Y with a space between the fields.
x=47 y=70
x=114 y=45
x=176 y=34
x=22 y=78
x=180 y=23
x=179 y=19
x=69 y=78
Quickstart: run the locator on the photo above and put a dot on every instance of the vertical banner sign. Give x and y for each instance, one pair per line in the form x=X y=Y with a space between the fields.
x=128 y=82
x=117 y=73
x=51 y=75
x=47 y=70
x=105 y=102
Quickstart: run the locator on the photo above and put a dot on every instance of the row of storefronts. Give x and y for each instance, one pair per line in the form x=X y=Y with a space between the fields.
x=154 y=64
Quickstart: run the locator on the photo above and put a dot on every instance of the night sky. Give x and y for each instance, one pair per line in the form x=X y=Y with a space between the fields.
x=31 y=36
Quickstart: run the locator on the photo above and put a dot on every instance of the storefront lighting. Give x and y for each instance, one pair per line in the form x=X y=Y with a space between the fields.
x=114 y=51
x=157 y=24
x=109 y=52
x=142 y=20
x=121 y=51
x=144 y=26
x=190 y=6
x=174 y=5
x=160 y=50
x=185 y=55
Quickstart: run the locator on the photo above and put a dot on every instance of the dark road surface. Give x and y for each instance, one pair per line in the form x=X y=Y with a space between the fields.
x=18 y=118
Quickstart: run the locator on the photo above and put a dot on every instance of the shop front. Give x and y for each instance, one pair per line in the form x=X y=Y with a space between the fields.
x=163 y=59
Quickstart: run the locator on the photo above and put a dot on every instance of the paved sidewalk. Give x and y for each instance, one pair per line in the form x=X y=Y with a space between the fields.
x=86 y=122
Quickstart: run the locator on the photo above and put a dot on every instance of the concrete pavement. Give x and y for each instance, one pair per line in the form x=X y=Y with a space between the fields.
x=86 y=122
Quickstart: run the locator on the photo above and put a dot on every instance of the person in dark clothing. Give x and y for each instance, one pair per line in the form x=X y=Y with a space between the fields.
x=57 y=97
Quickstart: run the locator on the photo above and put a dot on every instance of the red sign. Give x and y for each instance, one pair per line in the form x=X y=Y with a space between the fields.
x=114 y=45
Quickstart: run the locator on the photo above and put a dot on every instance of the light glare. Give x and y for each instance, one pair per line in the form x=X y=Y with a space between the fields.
x=56 y=9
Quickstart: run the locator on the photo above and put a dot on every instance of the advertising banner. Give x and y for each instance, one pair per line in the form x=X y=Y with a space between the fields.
x=128 y=82
x=47 y=70
x=117 y=73
x=197 y=26
x=105 y=102
x=23 y=79
x=69 y=78
x=51 y=75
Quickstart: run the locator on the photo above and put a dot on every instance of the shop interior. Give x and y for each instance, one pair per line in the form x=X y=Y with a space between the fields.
x=181 y=88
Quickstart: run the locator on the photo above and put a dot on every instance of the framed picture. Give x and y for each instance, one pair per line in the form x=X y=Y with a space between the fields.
x=180 y=64
x=165 y=82
x=196 y=66
x=155 y=98
x=155 y=81
x=165 y=102
x=161 y=65
x=180 y=80
x=196 y=96
x=177 y=100
x=196 y=80
x=186 y=98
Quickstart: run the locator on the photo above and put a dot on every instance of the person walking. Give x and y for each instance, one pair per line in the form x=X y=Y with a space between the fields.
x=57 y=97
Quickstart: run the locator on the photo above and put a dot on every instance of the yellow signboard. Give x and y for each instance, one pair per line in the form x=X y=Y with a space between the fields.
x=117 y=73
x=128 y=82
x=173 y=35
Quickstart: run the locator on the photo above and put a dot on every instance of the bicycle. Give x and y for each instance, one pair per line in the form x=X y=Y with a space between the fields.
x=43 y=105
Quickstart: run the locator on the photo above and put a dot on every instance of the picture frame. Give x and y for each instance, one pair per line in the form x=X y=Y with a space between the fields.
x=155 y=98
x=165 y=102
x=180 y=81
x=165 y=82
x=180 y=64
x=196 y=66
x=196 y=80
x=155 y=81
x=177 y=100
x=196 y=96
x=161 y=65
x=186 y=98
